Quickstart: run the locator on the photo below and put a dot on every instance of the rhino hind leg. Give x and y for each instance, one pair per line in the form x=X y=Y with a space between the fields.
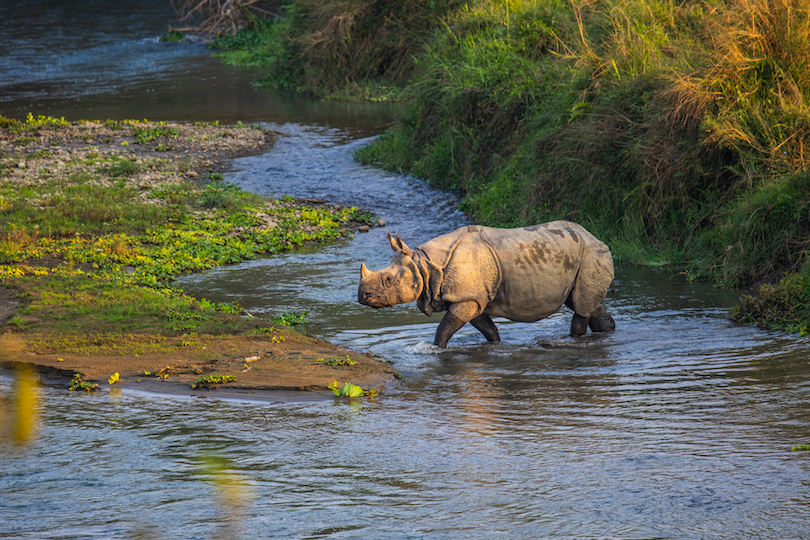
x=579 y=325
x=485 y=325
x=601 y=321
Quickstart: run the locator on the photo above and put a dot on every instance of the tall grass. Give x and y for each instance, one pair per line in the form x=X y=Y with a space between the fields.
x=656 y=123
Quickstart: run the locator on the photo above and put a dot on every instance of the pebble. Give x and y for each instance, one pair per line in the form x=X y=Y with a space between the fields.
x=380 y=223
x=21 y=165
x=363 y=228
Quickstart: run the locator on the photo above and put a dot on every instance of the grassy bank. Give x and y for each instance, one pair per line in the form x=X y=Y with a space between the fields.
x=677 y=131
x=357 y=50
x=98 y=219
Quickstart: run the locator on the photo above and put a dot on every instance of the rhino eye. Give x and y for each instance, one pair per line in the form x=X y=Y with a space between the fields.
x=389 y=280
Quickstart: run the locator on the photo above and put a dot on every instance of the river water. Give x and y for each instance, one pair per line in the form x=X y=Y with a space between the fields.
x=678 y=425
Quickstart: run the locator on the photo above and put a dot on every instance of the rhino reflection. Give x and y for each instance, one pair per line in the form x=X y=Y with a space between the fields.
x=476 y=273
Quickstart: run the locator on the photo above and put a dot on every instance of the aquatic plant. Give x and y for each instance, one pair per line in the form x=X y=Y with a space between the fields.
x=350 y=390
x=78 y=384
x=802 y=448
x=174 y=35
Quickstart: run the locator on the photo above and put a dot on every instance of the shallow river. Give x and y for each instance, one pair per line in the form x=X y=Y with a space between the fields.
x=678 y=425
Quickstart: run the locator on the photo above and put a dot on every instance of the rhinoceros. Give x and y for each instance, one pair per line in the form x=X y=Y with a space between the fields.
x=475 y=273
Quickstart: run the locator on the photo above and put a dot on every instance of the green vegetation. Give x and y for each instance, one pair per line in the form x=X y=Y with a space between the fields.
x=213 y=379
x=92 y=252
x=345 y=361
x=145 y=135
x=77 y=384
x=291 y=318
x=674 y=130
x=350 y=390
x=802 y=448
x=174 y=35
x=364 y=49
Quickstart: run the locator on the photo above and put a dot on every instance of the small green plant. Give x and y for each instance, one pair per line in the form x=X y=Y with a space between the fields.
x=17 y=320
x=361 y=216
x=24 y=141
x=212 y=379
x=350 y=390
x=145 y=135
x=345 y=361
x=78 y=384
x=174 y=35
x=291 y=318
x=222 y=195
x=802 y=448
x=124 y=167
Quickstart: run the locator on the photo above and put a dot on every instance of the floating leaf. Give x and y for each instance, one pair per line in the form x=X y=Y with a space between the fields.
x=349 y=390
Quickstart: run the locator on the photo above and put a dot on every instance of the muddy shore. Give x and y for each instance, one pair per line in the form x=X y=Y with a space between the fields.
x=260 y=356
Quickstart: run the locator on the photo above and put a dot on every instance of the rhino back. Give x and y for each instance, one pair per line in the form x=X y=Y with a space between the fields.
x=538 y=267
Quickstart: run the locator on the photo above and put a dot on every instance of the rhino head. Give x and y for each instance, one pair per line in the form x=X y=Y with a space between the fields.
x=398 y=283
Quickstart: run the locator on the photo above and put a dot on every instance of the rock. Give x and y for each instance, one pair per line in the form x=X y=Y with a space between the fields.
x=380 y=223
x=21 y=165
x=363 y=228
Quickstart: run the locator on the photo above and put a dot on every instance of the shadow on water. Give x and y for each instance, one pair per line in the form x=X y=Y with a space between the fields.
x=678 y=425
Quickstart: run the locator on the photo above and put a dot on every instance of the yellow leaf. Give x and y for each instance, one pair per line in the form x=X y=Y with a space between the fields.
x=114 y=378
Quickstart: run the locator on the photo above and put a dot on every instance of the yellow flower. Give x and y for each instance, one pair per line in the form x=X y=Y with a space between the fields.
x=113 y=378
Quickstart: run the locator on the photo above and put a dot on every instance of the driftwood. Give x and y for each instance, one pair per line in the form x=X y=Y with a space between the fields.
x=220 y=16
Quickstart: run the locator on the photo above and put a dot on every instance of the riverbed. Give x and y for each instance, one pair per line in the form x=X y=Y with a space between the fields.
x=678 y=425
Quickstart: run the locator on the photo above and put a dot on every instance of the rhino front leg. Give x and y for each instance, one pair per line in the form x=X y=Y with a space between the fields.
x=485 y=325
x=457 y=316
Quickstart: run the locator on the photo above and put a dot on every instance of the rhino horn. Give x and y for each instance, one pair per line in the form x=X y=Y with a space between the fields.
x=364 y=272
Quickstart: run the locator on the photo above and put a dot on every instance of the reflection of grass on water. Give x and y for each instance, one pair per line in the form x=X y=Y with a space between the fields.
x=19 y=410
x=232 y=492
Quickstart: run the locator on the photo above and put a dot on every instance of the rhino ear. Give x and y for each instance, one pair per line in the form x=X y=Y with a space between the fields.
x=393 y=242
x=403 y=248
x=398 y=245
x=365 y=273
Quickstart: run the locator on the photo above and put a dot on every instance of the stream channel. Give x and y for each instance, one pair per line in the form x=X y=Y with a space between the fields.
x=678 y=425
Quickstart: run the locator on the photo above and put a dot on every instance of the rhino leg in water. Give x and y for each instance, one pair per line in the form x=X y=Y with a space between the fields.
x=485 y=325
x=579 y=325
x=457 y=316
x=601 y=321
